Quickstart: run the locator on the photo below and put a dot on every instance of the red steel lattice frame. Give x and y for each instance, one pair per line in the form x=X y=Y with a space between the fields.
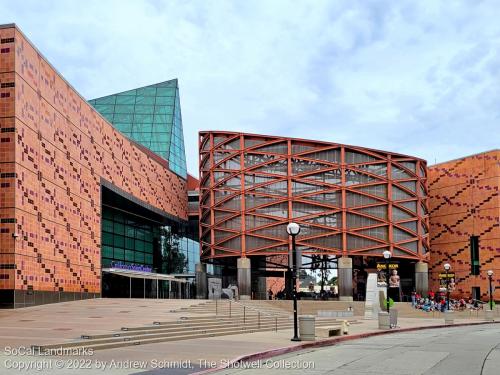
x=228 y=160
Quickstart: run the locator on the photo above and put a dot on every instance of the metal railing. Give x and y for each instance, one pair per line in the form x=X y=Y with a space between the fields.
x=245 y=313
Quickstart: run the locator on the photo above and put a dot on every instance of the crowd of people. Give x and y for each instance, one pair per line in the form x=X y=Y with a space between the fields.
x=438 y=302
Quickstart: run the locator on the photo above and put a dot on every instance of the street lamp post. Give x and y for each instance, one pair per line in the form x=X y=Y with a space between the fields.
x=293 y=230
x=490 y=277
x=387 y=257
x=447 y=268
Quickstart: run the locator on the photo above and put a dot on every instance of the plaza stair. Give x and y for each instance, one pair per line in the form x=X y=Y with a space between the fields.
x=242 y=319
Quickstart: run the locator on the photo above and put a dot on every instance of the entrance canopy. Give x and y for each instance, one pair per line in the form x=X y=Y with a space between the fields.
x=142 y=274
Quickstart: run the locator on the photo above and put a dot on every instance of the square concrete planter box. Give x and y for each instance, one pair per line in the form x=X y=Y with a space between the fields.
x=448 y=317
x=384 y=322
x=488 y=316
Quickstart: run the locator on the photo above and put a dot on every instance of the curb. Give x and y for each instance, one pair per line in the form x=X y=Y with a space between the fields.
x=328 y=342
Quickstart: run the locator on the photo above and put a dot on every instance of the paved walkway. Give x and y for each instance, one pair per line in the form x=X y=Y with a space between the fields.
x=66 y=321
x=455 y=351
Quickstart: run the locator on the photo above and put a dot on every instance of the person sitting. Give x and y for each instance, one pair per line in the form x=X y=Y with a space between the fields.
x=443 y=305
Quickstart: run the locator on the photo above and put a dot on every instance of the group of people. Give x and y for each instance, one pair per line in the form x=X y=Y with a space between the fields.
x=439 y=303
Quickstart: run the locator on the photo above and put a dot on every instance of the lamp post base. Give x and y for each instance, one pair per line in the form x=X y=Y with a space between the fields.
x=295 y=339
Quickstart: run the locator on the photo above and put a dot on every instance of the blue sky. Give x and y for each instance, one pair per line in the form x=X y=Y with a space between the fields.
x=416 y=77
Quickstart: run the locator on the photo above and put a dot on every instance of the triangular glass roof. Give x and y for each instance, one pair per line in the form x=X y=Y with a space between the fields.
x=151 y=116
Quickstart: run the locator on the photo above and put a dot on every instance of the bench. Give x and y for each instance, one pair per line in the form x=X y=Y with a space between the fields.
x=329 y=331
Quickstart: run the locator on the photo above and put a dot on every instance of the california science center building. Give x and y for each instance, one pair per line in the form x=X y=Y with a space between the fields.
x=93 y=196
x=351 y=203
x=96 y=201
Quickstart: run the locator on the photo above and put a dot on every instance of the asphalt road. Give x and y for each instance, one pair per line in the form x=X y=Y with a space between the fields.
x=455 y=351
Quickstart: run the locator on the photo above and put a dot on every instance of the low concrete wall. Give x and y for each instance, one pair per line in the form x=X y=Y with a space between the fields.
x=312 y=307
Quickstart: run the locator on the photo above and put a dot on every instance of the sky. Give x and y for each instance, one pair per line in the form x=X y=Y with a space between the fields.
x=416 y=77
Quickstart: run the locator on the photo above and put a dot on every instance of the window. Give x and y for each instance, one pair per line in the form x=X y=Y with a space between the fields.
x=474 y=255
x=7 y=40
x=8 y=175
x=476 y=292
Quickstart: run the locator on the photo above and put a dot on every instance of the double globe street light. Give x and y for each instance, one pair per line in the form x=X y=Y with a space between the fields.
x=490 y=278
x=447 y=267
x=387 y=256
x=293 y=229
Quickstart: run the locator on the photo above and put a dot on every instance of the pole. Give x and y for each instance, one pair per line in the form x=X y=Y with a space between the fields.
x=130 y=287
x=447 y=291
x=244 y=315
x=144 y=288
x=387 y=304
x=491 y=292
x=294 y=280
x=156 y=288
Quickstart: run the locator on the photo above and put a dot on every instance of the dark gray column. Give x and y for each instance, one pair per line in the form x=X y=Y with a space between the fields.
x=244 y=278
x=345 y=278
x=422 y=278
x=201 y=281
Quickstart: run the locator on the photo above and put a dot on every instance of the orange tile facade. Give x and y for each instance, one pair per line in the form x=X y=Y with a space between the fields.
x=54 y=151
x=465 y=201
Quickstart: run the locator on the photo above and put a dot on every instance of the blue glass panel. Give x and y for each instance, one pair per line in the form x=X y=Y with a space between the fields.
x=155 y=114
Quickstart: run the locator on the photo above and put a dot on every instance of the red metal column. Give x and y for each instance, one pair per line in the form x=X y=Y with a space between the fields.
x=243 y=196
x=344 y=204
x=289 y=187
x=389 y=203
x=212 y=195
x=419 y=212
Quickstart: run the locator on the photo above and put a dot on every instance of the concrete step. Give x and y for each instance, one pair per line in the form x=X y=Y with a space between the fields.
x=150 y=339
x=181 y=328
x=225 y=322
x=164 y=337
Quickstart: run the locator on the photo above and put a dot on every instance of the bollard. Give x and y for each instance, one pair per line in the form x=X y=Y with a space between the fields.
x=244 y=315
x=229 y=308
x=258 y=320
x=216 y=307
x=276 y=323
x=345 y=327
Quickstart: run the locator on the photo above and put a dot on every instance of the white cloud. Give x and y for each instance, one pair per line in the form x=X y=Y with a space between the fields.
x=413 y=77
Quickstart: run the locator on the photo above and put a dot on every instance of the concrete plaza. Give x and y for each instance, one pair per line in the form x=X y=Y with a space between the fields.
x=66 y=322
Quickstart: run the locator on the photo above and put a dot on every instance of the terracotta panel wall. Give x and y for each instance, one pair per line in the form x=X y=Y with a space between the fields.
x=59 y=151
x=465 y=202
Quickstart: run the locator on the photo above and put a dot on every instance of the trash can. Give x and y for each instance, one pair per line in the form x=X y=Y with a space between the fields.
x=307 y=327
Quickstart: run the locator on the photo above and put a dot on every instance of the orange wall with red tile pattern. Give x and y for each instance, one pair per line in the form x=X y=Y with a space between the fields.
x=465 y=201
x=60 y=150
